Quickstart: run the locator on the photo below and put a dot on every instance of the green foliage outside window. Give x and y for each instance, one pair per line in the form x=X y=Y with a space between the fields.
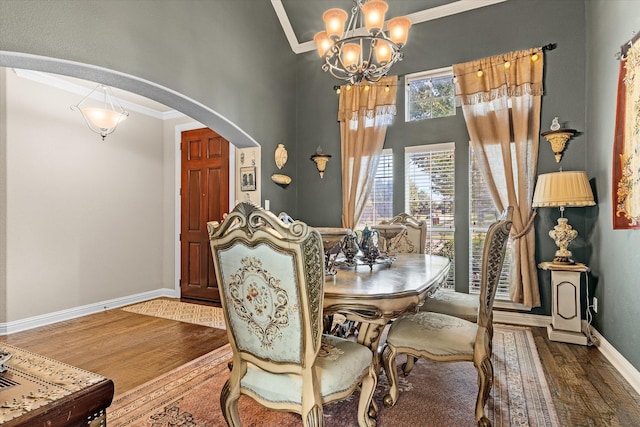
x=430 y=97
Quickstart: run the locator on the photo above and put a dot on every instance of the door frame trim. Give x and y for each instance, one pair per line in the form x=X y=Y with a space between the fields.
x=176 y=191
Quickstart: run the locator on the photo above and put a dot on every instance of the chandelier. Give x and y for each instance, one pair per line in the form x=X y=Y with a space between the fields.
x=104 y=115
x=352 y=54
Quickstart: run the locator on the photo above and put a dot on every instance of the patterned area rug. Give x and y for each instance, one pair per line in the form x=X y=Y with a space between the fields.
x=434 y=394
x=184 y=312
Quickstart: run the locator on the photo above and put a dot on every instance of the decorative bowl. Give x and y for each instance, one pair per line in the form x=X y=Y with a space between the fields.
x=331 y=236
x=388 y=232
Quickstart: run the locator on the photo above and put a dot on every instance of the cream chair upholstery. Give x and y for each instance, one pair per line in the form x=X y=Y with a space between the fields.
x=458 y=304
x=271 y=279
x=445 y=338
x=413 y=239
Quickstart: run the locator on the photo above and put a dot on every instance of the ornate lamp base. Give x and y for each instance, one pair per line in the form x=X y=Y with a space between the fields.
x=563 y=234
x=564 y=260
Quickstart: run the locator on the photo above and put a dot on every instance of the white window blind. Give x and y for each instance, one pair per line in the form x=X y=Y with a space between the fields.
x=430 y=196
x=379 y=206
x=482 y=213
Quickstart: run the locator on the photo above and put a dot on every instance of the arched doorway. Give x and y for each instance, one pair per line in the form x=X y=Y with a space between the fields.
x=151 y=90
x=203 y=115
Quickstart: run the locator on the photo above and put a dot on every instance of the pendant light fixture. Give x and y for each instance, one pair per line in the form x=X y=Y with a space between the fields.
x=103 y=114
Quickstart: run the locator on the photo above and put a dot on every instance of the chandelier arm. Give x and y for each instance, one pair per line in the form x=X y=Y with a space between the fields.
x=353 y=20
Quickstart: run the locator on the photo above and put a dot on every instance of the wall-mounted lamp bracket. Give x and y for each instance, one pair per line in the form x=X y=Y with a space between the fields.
x=558 y=139
x=320 y=159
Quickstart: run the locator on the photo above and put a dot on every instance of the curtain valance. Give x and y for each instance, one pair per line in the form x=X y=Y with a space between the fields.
x=377 y=100
x=507 y=75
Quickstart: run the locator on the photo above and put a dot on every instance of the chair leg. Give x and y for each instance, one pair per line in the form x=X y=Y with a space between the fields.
x=389 y=363
x=366 y=407
x=229 y=405
x=407 y=367
x=314 y=418
x=485 y=383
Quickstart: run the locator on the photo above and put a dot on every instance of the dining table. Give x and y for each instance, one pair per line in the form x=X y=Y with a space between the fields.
x=374 y=295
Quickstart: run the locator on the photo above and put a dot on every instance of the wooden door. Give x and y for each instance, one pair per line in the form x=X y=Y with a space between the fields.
x=204 y=196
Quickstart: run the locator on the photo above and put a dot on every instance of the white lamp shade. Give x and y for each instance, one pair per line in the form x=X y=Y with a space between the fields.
x=399 y=29
x=323 y=42
x=102 y=118
x=334 y=20
x=383 y=52
x=563 y=189
x=374 y=11
x=350 y=54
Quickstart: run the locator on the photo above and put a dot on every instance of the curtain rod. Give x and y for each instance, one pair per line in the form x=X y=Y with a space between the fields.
x=622 y=53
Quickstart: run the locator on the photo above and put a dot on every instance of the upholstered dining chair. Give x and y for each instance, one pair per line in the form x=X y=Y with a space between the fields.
x=413 y=239
x=456 y=304
x=271 y=280
x=445 y=338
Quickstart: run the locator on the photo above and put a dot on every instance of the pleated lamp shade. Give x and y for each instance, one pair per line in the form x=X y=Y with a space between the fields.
x=563 y=189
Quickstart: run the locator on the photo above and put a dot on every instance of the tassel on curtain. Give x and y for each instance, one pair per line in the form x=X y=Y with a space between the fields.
x=500 y=98
x=364 y=112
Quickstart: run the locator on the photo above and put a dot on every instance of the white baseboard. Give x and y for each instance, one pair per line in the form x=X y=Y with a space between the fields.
x=626 y=369
x=523 y=319
x=72 y=313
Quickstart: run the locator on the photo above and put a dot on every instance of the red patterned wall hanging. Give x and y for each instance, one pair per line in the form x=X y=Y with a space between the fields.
x=626 y=148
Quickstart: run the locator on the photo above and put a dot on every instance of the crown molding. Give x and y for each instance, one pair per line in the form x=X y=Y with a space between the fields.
x=454 y=8
x=62 y=84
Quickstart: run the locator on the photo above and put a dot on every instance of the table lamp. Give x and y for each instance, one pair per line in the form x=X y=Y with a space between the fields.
x=563 y=189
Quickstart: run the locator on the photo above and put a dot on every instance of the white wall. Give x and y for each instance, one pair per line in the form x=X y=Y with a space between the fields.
x=85 y=218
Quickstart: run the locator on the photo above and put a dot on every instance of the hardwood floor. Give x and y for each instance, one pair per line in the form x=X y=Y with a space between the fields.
x=587 y=389
x=128 y=348
x=132 y=349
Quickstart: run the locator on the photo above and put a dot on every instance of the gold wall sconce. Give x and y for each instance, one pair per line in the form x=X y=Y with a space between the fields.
x=558 y=138
x=320 y=160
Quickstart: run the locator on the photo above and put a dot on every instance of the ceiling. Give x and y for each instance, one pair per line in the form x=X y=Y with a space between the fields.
x=301 y=20
x=130 y=101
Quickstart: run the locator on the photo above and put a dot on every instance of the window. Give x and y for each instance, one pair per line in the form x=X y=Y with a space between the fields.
x=429 y=94
x=379 y=206
x=430 y=195
x=482 y=213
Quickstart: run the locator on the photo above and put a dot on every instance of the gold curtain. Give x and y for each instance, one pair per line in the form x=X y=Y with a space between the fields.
x=500 y=98
x=364 y=112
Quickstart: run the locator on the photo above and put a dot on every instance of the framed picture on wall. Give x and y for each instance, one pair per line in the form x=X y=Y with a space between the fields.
x=248 y=178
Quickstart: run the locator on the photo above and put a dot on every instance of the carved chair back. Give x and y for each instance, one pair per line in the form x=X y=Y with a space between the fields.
x=413 y=239
x=271 y=279
x=493 y=254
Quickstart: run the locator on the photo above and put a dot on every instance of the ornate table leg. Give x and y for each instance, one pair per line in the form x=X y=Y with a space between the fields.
x=369 y=335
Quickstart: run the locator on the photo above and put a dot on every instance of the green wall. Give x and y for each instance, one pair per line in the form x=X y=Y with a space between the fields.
x=276 y=97
x=615 y=262
x=509 y=26
x=228 y=60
